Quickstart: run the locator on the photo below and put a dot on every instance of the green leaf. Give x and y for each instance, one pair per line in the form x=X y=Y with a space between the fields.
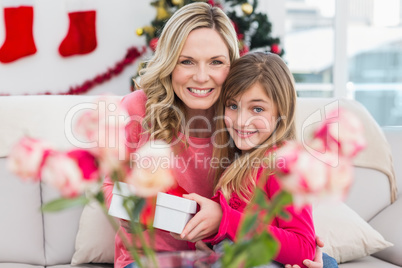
x=100 y=197
x=259 y=250
x=260 y=198
x=285 y=215
x=64 y=203
x=248 y=224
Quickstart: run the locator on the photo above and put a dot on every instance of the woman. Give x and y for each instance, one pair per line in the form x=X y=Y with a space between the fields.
x=181 y=86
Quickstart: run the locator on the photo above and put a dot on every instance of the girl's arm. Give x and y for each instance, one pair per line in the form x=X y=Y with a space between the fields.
x=296 y=236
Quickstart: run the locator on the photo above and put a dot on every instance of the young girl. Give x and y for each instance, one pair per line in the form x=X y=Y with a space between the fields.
x=257 y=102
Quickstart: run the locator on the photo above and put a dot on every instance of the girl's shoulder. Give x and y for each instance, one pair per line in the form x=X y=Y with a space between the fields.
x=135 y=102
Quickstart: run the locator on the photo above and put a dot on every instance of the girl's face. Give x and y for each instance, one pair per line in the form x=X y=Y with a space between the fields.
x=202 y=67
x=250 y=118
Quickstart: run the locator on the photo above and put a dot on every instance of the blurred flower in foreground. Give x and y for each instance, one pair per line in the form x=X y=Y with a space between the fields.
x=328 y=174
x=26 y=158
x=151 y=172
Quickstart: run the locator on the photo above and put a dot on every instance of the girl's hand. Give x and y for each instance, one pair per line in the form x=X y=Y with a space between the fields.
x=205 y=223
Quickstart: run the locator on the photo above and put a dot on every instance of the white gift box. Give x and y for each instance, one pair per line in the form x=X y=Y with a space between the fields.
x=116 y=209
x=172 y=212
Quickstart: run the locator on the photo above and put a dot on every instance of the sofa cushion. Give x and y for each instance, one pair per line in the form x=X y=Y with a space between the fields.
x=60 y=230
x=45 y=117
x=367 y=184
x=21 y=228
x=394 y=137
x=368 y=262
x=389 y=223
x=95 y=237
x=347 y=236
x=19 y=265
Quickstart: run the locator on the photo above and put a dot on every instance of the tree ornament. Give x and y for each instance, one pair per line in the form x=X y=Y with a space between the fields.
x=139 y=31
x=153 y=43
x=247 y=8
x=149 y=30
x=19 y=41
x=275 y=48
x=177 y=2
x=161 y=13
x=244 y=50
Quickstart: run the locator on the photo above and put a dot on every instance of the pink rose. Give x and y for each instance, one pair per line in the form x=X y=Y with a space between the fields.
x=151 y=172
x=106 y=127
x=310 y=178
x=286 y=157
x=26 y=158
x=340 y=179
x=342 y=131
x=304 y=176
x=71 y=173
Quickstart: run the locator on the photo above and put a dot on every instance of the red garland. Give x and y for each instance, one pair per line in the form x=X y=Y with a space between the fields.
x=132 y=54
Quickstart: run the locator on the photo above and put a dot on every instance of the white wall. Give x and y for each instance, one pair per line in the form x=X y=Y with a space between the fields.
x=46 y=70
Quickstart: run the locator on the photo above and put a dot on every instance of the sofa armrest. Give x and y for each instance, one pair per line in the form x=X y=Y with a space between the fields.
x=388 y=222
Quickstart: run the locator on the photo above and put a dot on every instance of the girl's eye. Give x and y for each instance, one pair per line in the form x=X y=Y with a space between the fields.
x=232 y=106
x=258 y=109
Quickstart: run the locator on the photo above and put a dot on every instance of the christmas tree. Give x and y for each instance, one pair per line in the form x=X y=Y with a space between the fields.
x=253 y=28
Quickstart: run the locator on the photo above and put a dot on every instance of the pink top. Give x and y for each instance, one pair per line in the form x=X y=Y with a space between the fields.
x=191 y=173
x=296 y=236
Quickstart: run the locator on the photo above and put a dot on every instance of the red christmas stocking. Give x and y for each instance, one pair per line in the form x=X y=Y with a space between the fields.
x=19 y=40
x=81 y=36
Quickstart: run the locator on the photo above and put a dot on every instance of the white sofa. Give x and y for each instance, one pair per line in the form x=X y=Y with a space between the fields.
x=30 y=238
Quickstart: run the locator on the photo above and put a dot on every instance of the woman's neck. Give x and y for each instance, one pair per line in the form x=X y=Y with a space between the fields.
x=200 y=123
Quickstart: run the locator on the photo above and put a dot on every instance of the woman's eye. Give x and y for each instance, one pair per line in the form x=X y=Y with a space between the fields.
x=217 y=62
x=258 y=109
x=186 y=62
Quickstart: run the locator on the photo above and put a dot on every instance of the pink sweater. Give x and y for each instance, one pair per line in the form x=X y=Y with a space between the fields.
x=191 y=173
x=296 y=236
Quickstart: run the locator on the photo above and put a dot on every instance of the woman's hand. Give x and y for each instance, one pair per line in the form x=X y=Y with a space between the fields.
x=199 y=245
x=205 y=223
x=317 y=262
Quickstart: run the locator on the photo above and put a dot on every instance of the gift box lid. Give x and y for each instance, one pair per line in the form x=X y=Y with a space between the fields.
x=124 y=189
x=177 y=203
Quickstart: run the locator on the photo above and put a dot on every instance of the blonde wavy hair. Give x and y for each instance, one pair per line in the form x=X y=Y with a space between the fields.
x=270 y=71
x=165 y=113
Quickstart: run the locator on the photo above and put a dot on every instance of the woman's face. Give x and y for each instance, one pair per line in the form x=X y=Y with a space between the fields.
x=202 y=67
x=251 y=117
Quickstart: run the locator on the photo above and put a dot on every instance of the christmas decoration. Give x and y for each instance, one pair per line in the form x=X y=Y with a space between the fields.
x=247 y=8
x=177 y=2
x=139 y=31
x=153 y=43
x=132 y=54
x=19 y=41
x=275 y=48
x=253 y=28
x=81 y=36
